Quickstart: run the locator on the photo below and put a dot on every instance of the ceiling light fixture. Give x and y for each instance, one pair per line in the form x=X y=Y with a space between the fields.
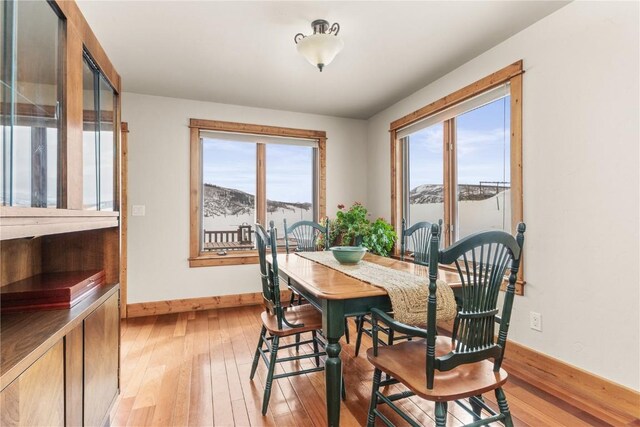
x=322 y=46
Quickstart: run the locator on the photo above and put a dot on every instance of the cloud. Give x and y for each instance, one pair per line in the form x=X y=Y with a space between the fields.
x=471 y=141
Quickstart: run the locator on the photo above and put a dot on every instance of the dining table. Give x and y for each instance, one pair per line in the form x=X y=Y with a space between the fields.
x=336 y=295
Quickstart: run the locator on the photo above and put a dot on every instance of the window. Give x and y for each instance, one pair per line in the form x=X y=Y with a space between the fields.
x=482 y=169
x=424 y=176
x=290 y=183
x=458 y=160
x=242 y=174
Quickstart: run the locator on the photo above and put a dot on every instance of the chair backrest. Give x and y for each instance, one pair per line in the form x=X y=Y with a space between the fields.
x=481 y=261
x=269 y=274
x=420 y=234
x=306 y=234
x=266 y=242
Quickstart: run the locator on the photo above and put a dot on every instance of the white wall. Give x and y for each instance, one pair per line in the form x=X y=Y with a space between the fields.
x=158 y=246
x=581 y=192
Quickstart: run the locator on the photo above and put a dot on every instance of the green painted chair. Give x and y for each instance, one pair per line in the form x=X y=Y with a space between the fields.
x=420 y=234
x=279 y=322
x=306 y=235
x=465 y=366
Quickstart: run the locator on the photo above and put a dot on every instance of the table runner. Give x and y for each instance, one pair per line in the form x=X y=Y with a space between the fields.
x=408 y=292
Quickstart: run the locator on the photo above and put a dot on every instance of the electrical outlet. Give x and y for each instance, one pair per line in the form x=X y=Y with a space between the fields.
x=137 y=210
x=535 y=321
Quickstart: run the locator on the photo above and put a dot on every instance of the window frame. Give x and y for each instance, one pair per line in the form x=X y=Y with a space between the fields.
x=511 y=74
x=198 y=258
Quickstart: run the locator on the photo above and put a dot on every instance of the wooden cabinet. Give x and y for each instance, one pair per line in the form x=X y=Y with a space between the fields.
x=36 y=397
x=101 y=361
x=61 y=132
x=74 y=376
x=58 y=367
x=61 y=367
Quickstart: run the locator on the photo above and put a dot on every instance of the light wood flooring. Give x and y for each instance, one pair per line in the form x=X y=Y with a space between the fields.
x=193 y=369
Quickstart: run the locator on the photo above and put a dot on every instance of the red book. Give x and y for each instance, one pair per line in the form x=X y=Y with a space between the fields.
x=50 y=291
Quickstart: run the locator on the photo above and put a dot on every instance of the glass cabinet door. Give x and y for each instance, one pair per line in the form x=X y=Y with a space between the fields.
x=31 y=94
x=107 y=145
x=90 y=139
x=99 y=148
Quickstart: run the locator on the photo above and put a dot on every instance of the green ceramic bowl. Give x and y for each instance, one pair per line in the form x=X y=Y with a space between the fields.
x=348 y=254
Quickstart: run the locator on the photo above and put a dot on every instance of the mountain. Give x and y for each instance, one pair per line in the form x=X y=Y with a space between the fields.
x=427 y=193
x=434 y=193
x=221 y=201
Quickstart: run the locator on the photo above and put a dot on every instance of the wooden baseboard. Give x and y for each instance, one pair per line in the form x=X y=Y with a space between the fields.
x=604 y=399
x=196 y=304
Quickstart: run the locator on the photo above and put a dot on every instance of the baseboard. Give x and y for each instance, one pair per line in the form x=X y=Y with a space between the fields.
x=604 y=399
x=195 y=304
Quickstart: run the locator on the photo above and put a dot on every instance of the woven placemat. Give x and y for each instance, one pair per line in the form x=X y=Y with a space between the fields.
x=408 y=292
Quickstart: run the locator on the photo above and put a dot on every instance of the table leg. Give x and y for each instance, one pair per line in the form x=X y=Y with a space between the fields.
x=333 y=326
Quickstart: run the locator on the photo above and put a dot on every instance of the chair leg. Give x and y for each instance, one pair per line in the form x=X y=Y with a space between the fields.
x=371 y=418
x=441 y=414
x=315 y=346
x=293 y=298
x=297 y=343
x=359 y=326
x=346 y=329
x=477 y=409
x=504 y=407
x=256 y=357
x=299 y=299
x=272 y=367
x=344 y=389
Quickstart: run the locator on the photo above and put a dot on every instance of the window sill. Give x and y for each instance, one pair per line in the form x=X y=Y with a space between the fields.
x=212 y=260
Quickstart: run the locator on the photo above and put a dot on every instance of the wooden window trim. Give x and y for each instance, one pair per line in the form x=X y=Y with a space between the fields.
x=198 y=258
x=511 y=74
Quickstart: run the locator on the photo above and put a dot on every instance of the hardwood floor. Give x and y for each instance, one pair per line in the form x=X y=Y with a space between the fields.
x=193 y=369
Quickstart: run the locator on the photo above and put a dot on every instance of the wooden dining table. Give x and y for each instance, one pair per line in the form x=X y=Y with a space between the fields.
x=337 y=295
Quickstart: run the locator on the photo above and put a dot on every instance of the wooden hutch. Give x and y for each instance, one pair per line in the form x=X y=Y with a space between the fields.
x=60 y=189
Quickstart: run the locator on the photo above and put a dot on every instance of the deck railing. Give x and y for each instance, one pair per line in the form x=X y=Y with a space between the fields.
x=228 y=239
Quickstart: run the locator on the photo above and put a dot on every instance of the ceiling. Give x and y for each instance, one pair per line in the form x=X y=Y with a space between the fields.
x=243 y=52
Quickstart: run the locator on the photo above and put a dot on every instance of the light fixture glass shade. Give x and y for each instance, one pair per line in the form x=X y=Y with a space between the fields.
x=320 y=49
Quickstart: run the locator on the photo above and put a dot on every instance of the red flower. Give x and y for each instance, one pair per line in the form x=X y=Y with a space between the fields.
x=340 y=206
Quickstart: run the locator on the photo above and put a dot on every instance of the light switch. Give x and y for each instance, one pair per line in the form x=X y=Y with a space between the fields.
x=137 y=210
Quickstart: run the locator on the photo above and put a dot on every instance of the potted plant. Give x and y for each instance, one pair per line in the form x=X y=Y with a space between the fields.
x=351 y=227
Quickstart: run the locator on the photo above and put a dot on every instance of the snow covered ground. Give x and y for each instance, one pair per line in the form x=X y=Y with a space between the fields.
x=493 y=213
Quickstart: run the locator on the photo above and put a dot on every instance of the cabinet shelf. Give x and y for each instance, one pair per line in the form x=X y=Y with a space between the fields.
x=19 y=222
x=27 y=336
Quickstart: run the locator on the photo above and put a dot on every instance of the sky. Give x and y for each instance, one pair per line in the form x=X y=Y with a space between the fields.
x=481 y=141
x=232 y=164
